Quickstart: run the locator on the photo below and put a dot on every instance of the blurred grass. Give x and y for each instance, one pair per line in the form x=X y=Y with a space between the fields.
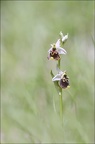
x=27 y=92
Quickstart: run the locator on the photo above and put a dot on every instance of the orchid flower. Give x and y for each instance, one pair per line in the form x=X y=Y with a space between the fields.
x=55 y=51
x=62 y=78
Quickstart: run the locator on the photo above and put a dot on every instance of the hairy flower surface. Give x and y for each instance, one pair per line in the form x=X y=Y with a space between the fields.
x=55 y=51
x=62 y=78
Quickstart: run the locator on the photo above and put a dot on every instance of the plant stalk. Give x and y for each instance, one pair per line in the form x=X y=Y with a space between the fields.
x=60 y=97
x=61 y=106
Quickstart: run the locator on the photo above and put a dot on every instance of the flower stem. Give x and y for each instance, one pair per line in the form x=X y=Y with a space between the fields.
x=61 y=106
x=59 y=63
x=60 y=97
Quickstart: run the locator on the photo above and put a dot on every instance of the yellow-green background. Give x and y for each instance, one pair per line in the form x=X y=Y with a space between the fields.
x=29 y=101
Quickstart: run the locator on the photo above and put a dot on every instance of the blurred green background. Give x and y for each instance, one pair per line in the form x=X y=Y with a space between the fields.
x=29 y=101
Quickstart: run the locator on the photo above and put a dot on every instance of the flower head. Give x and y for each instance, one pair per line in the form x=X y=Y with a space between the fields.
x=55 y=51
x=64 y=38
x=62 y=78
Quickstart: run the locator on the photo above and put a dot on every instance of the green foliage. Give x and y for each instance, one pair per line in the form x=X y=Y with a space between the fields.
x=29 y=101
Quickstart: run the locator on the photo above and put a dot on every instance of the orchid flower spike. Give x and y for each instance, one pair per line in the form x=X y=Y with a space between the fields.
x=62 y=78
x=64 y=38
x=55 y=51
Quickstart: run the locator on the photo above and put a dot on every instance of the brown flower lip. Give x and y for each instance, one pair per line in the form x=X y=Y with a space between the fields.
x=54 y=54
x=64 y=82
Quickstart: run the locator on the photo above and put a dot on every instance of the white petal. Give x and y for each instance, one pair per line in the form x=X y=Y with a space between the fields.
x=50 y=49
x=51 y=45
x=57 y=77
x=61 y=34
x=64 y=38
x=58 y=43
x=61 y=50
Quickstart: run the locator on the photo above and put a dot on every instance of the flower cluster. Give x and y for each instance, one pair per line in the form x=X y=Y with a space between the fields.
x=54 y=53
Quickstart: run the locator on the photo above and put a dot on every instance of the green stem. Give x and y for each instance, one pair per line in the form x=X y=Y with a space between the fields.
x=60 y=97
x=59 y=63
x=61 y=106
